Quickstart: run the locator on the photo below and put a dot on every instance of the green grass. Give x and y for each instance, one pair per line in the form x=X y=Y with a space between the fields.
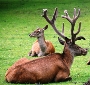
x=18 y=18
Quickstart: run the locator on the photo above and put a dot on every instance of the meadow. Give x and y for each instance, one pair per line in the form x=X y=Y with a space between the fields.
x=18 y=18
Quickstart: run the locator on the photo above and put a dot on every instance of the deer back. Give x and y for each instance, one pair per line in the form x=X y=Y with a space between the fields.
x=43 y=70
x=17 y=63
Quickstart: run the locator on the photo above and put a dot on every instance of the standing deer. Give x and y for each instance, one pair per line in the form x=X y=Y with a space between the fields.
x=54 y=67
x=41 y=47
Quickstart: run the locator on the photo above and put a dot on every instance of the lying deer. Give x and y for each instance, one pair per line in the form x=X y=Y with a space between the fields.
x=54 y=67
x=41 y=47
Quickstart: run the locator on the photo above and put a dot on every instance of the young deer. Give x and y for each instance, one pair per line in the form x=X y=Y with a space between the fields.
x=54 y=67
x=41 y=47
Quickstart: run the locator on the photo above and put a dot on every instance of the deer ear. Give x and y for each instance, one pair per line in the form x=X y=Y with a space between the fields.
x=45 y=27
x=61 y=41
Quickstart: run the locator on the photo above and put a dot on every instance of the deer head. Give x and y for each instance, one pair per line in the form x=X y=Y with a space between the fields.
x=38 y=32
x=75 y=49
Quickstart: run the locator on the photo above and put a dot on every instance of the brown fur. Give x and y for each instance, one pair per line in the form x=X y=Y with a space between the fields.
x=36 y=48
x=19 y=62
x=53 y=68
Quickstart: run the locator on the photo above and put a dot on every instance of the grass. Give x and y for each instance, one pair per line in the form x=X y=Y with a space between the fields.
x=18 y=18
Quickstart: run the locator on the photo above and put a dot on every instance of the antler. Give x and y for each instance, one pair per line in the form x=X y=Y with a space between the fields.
x=73 y=21
x=52 y=22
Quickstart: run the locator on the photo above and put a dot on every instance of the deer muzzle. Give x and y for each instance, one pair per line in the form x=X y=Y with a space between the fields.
x=84 y=52
x=31 y=35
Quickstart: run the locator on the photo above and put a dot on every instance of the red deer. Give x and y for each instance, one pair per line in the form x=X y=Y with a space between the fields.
x=54 y=67
x=41 y=47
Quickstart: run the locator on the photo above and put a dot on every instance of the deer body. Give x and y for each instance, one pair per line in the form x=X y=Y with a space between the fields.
x=41 y=47
x=54 y=67
x=19 y=62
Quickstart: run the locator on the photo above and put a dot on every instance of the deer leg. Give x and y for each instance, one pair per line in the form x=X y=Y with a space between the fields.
x=60 y=77
x=32 y=53
x=41 y=54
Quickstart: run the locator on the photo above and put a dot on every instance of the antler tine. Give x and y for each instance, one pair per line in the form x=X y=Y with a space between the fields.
x=73 y=21
x=76 y=16
x=80 y=37
x=45 y=15
x=66 y=16
x=63 y=29
x=74 y=13
x=78 y=29
x=54 y=15
x=51 y=22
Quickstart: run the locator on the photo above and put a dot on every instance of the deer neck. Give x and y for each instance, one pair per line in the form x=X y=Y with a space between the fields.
x=42 y=43
x=68 y=57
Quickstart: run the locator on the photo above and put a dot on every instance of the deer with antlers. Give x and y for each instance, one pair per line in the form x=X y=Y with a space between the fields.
x=41 y=47
x=54 y=67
